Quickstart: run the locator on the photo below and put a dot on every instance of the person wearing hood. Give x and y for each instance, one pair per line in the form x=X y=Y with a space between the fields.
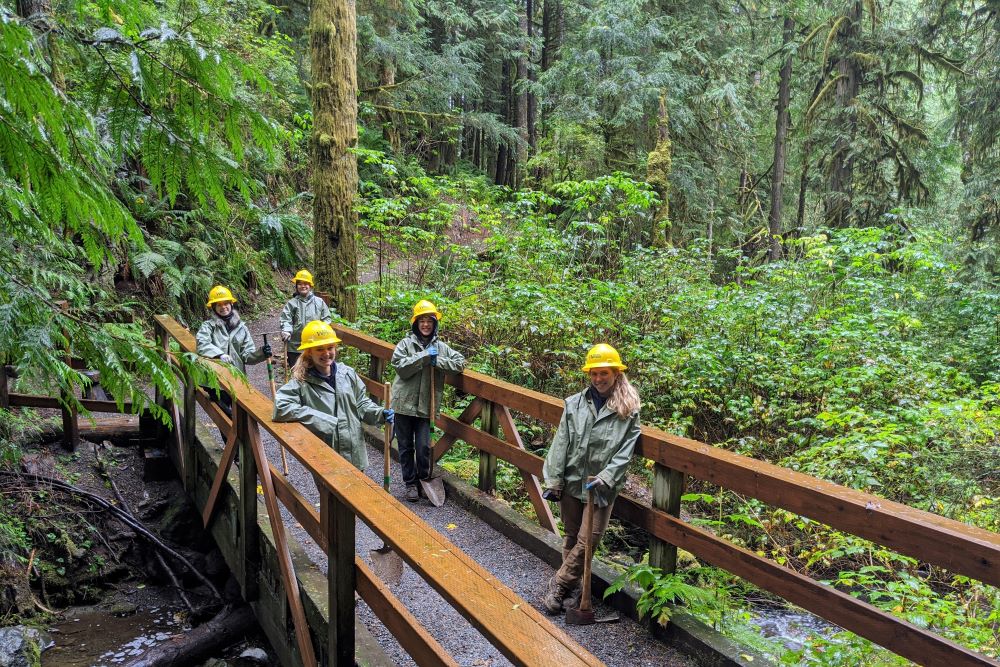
x=590 y=453
x=225 y=337
x=327 y=397
x=303 y=307
x=418 y=355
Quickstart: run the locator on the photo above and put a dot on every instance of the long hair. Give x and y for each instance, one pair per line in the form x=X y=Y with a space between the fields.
x=303 y=365
x=624 y=398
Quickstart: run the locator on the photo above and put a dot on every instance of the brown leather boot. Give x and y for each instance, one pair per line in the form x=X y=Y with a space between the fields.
x=553 y=598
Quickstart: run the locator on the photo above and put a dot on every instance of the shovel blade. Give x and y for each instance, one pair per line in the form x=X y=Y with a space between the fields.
x=387 y=565
x=434 y=490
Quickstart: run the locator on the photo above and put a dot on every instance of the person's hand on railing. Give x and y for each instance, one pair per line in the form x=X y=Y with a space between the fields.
x=390 y=415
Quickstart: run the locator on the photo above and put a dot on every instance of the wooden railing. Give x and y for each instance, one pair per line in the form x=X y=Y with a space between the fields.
x=955 y=546
x=511 y=624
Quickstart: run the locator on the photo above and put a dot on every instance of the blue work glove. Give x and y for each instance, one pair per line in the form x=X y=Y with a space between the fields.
x=594 y=483
x=266 y=350
x=432 y=352
x=390 y=415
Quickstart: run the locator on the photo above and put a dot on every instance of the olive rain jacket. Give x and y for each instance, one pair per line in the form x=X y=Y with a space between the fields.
x=412 y=387
x=333 y=416
x=587 y=444
x=300 y=311
x=215 y=340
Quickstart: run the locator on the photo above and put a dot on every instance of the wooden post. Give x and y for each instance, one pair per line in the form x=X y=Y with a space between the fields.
x=376 y=368
x=249 y=532
x=339 y=523
x=668 y=486
x=71 y=427
x=4 y=389
x=488 y=462
x=188 y=433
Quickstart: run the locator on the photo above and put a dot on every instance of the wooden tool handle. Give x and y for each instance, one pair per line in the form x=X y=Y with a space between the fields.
x=387 y=442
x=588 y=528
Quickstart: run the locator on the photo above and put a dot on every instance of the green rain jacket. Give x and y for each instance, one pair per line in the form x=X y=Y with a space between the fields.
x=298 y=312
x=590 y=444
x=333 y=416
x=412 y=387
x=214 y=340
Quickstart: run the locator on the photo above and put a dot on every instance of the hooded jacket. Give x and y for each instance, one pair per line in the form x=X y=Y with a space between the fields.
x=215 y=339
x=300 y=311
x=590 y=443
x=412 y=387
x=333 y=415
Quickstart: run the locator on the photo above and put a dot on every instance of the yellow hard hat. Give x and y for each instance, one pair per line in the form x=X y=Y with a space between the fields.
x=217 y=294
x=303 y=276
x=425 y=307
x=603 y=355
x=316 y=334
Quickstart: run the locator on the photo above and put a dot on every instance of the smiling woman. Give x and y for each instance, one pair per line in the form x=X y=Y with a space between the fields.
x=328 y=398
x=587 y=461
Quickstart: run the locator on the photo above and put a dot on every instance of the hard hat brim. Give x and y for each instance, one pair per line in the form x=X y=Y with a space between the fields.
x=319 y=343
x=435 y=313
x=603 y=364
x=215 y=301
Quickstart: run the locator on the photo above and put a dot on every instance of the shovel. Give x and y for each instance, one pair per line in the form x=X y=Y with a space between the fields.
x=386 y=563
x=274 y=394
x=584 y=613
x=433 y=486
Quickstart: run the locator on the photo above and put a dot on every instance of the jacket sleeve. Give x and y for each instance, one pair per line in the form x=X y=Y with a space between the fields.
x=614 y=473
x=408 y=365
x=288 y=407
x=554 y=468
x=251 y=355
x=369 y=411
x=206 y=347
x=287 y=317
x=449 y=359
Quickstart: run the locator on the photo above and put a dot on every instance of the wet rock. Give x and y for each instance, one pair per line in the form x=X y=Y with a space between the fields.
x=214 y=662
x=21 y=646
x=122 y=609
x=39 y=463
x=251 y=657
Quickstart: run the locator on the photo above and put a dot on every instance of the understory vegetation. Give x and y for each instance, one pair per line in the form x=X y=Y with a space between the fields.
x=783 y=214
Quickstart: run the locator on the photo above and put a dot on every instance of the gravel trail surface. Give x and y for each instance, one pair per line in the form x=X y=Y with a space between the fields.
x=617 y=644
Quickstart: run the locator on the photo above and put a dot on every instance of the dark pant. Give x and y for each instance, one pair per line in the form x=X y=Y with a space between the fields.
x=414 y=437
x=291 y=357
x=221 y=398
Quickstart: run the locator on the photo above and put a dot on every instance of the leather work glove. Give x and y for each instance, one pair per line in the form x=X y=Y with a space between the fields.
x=390 y=415
x=225 y=358
x=555 y=495
x=266 y=350
x=285 y=335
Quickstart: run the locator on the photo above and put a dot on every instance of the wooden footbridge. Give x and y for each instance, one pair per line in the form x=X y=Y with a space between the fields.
x=513 y=625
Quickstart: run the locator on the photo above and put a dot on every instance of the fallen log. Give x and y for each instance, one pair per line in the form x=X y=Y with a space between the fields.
x=224 y=629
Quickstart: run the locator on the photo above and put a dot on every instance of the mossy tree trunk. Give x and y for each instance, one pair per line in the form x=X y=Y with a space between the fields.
x=781 y=125
x=333 y=51
x=658 y=175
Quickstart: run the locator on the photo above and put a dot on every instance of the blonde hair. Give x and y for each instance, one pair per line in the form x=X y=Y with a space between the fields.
x=303 y=365
x=624 y=398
